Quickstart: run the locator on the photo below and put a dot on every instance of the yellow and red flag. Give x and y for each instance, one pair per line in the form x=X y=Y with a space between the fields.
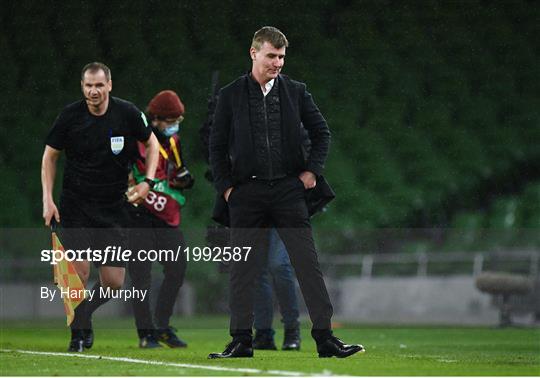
x=68 y=281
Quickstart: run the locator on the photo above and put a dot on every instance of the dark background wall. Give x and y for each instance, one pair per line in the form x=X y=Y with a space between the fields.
x=434 y=106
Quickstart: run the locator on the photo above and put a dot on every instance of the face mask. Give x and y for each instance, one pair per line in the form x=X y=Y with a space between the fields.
x=171 y=130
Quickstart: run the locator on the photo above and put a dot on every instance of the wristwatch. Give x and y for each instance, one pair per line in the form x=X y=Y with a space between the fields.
x=151 y=183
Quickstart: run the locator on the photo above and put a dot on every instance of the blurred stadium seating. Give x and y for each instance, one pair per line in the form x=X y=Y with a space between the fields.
x=434 y=106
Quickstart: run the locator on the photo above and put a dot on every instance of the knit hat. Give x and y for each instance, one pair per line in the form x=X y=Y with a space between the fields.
x=166 y=104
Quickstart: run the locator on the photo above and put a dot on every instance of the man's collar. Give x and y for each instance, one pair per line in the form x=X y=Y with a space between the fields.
x=268 y=87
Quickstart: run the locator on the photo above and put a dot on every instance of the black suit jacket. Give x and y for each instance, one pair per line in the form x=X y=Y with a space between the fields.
x=231 y=145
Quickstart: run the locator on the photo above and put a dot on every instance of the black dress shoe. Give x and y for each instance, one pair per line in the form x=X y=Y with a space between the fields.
x=264 y=340
x=291 y=340
x=234 y=349
x=335 y=347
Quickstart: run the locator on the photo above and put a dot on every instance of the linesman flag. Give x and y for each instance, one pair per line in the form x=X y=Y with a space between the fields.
x=67 y=280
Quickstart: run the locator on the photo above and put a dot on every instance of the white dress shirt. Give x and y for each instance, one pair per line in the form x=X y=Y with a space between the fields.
x=267 y=87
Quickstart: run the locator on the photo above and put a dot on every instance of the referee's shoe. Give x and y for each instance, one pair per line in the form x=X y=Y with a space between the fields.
x=88 y=337
x=76 y=343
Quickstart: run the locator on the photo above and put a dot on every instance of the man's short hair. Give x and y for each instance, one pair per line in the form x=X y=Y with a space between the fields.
x=95 y=67
x=271 y=35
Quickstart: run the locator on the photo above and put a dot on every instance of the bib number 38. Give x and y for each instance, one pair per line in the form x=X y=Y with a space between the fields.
x=156 y=201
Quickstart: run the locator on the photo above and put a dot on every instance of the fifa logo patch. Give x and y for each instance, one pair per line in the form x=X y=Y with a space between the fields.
x=117 y=144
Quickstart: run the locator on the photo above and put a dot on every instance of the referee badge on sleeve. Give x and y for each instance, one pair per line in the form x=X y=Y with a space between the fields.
x=117 y=144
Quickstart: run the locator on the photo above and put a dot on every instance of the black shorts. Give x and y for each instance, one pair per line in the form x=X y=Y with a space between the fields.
x=95 y=226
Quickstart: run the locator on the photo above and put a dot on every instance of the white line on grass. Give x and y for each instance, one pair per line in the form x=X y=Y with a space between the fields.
x=436 y=358
x=163 y=363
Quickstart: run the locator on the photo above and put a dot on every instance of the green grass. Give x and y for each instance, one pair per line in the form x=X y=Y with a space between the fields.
x=390 y=351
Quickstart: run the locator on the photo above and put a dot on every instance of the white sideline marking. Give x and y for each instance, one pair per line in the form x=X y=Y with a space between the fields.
x=437 y=358
x=151 y=362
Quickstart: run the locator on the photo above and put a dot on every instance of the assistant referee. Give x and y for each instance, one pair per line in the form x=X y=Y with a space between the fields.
x=99 y=135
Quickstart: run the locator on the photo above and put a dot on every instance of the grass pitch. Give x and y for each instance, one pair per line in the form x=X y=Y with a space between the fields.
x=391 y=351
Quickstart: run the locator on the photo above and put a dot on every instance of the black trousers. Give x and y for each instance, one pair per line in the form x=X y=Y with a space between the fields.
x=254 y=207
x=150 y=232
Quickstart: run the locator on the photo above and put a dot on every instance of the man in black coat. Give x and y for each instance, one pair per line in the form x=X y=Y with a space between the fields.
x=263 y=173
